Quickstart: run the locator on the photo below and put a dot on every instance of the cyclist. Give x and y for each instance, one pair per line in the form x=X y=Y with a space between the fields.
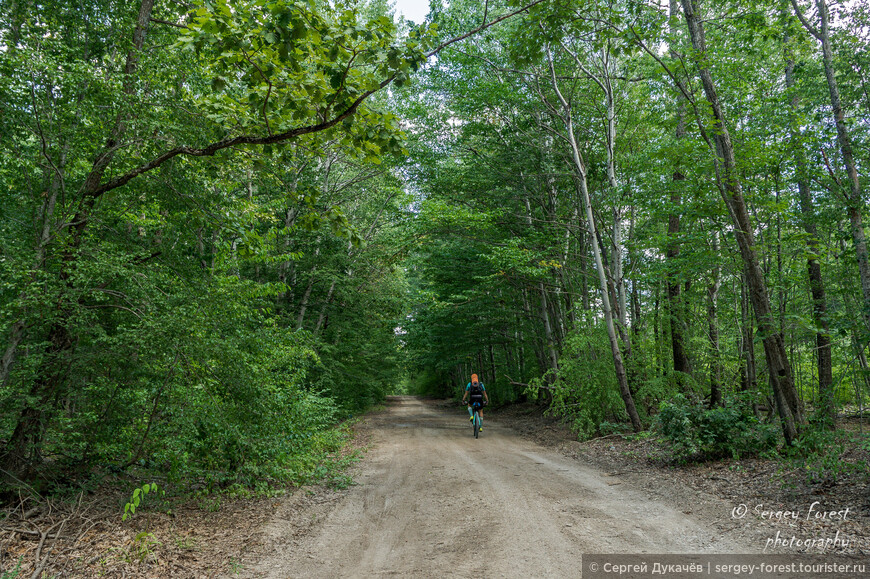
x=478 y=397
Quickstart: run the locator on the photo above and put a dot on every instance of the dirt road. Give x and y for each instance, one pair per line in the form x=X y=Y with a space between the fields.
x=431 y=501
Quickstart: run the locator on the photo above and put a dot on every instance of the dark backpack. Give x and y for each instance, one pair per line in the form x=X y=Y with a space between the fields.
x=476 y=390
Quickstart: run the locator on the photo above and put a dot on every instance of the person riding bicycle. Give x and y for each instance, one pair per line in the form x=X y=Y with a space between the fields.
x=475 y=391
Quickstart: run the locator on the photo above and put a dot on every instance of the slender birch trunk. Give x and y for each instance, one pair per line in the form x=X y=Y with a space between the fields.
x=580 y=180
x=814 y=268
x=713 y=329
x=779 y=368
x=854 y=196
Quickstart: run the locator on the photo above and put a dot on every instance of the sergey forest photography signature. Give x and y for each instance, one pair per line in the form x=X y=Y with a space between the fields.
x=816 y=511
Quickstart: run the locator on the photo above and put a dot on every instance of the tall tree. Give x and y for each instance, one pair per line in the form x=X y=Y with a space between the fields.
x=779 y=367
x=675 y=304
x=565 y=115
x=814 y=268
x=854 y=196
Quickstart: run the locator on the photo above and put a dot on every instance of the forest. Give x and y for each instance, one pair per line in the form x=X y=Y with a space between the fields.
x=229 y=226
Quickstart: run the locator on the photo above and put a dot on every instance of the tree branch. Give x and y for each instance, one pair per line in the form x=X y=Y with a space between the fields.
x=167 y=23
x=523 y=384
x=268 y=92
x=810 y=28
x=213 y=148
x=484 y=26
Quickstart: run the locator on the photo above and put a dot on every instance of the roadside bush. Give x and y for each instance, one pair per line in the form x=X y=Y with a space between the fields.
x=202 y=386
x=585 y=392
x=822 y=455
x=696 y=431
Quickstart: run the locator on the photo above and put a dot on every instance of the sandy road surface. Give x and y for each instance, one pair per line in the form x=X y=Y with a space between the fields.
x=431 y=501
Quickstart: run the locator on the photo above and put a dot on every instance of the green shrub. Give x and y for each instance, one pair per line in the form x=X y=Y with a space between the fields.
x=137 y=498
x=700 y=432
x=204 y=388
x=427 y=382
x=607 y=428
x=818 y=454
x=585 y=392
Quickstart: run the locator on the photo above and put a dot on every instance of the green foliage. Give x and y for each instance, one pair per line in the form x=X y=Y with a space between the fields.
x=426 y=382
x=607 y=428
x=585 y=392
x=212 y=389
x=819 y=455
x=209 y=321
x=505 y=282
x=143 y=546
x=214 y=317
x=273 y=66
x=696 y=431
x=136 y=499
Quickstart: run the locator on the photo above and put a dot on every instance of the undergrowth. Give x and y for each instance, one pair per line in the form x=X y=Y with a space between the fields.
x=696 y=432
x=820 y=455
x=825 y=456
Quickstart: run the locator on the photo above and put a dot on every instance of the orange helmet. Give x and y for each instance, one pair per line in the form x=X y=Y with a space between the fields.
x=474 y=378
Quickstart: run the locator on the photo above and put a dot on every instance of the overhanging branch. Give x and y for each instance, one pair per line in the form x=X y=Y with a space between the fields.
x=217 y=146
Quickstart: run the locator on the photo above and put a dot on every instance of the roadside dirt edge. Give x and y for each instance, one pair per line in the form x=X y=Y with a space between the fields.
x=716 y=489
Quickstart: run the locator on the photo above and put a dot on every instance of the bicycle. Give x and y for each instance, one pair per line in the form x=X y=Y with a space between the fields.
x=476 y=421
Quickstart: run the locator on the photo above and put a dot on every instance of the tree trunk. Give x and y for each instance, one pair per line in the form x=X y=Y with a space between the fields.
x=827 y=407
x=583 y=189
x=557 y=314
x=550 y=358
x=540 y=346
x=749 y=372
x=492 y=364
x=549 y=340
x=15 y=337
x=862 y=362
x=619 y=367
x=676 y=307
x=303 y=305
x=322 y=316
x=855 y=200
x=584 y=284
x=284 y=267
x=657 y=339
x=564 y=278
x=713 y=329
x=779 y=368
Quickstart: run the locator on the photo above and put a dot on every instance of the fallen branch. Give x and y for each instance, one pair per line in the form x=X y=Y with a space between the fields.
x=615 y=434
x=40 y=562
x=515 y=383
x=524 y=385
x=37 y=534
